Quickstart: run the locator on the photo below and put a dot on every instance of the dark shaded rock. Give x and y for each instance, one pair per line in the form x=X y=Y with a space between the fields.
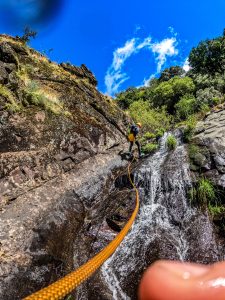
x=194 y=167
x=19 y=49
x=3 y=74
x=199 y=130
x=81 y=72
x=199 y=159
x=7 y=54
x=220 y=163
x=113 y=225
x=212 y=174
x=221 y=181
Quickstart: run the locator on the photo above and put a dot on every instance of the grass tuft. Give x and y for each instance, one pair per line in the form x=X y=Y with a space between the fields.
x=11 y=103
x=205 y=191
x=171 y=142
x=216 y=210
x=37 y=96
x=149 y=148
x=204 y=194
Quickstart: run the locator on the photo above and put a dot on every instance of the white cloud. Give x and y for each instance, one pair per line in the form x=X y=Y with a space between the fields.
x=146 y=81
x=122 y=54
x=166 y=47
x=146 y=43
x=186 y=65
x=115 y=76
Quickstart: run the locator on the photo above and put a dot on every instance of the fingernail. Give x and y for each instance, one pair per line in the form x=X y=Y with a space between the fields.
x=184 y=270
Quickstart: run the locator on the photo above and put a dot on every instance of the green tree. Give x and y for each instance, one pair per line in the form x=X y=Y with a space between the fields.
x=208 y=97
x=216 y=81
x=153 y=83
x=151 y=119
x=208 y=56
x=27 y=35
x=169 y=92
x=185 y=107
x=125 y=99
x=171 y=72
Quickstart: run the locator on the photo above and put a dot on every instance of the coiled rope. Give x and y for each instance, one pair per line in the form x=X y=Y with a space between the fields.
x=59 y=289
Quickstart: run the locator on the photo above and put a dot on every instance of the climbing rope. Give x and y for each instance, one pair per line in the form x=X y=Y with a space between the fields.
x=59 y=289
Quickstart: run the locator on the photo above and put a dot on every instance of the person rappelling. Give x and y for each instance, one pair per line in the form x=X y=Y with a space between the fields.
x=132 y=137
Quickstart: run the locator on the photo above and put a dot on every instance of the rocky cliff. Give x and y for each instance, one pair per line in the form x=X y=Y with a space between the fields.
x=64 y=193
x=209 y=158
x=59 y=144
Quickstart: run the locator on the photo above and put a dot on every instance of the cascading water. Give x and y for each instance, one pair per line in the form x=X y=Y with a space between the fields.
x=166 y=227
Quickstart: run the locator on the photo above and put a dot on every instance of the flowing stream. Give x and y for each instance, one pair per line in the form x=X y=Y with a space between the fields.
x=167 y=227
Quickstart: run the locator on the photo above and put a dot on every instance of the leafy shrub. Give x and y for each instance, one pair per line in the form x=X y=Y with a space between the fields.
x=188 y=133
x=125 y=99
x=171 y=142
x=149 y=135
x=13 y=107
x=190 y=124
x=149 y=148
x=185 y=107
x=159 y=133
x=169 y=92
x=203 y=81
x=151 y=118
x=209 y=96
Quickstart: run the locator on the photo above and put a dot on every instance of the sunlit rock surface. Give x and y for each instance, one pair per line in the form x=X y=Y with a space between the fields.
x=59 y=145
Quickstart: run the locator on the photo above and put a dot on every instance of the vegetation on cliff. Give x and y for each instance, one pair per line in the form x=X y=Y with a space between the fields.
x=177 y=96
x=180 y=99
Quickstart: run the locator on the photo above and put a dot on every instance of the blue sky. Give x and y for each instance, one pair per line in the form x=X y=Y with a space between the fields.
x=123 y=42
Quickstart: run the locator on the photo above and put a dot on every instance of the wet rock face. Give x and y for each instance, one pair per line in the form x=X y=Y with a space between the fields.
x=167 y=227
x=44 y=234
x=53 y=166
x=210 y=157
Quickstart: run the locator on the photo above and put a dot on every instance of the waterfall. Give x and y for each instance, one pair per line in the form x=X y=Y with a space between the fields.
x=166 y=227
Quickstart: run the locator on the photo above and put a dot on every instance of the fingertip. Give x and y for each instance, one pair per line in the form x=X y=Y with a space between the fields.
x=169 y=280
x=150 y=285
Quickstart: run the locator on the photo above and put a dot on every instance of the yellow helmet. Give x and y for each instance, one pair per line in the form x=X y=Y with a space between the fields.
x=139 y=125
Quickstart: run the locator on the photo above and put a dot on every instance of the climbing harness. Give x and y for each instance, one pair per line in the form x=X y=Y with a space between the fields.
x=61 y=288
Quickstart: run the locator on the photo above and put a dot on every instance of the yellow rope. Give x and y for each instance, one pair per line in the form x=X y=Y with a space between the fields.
x=59 y=289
